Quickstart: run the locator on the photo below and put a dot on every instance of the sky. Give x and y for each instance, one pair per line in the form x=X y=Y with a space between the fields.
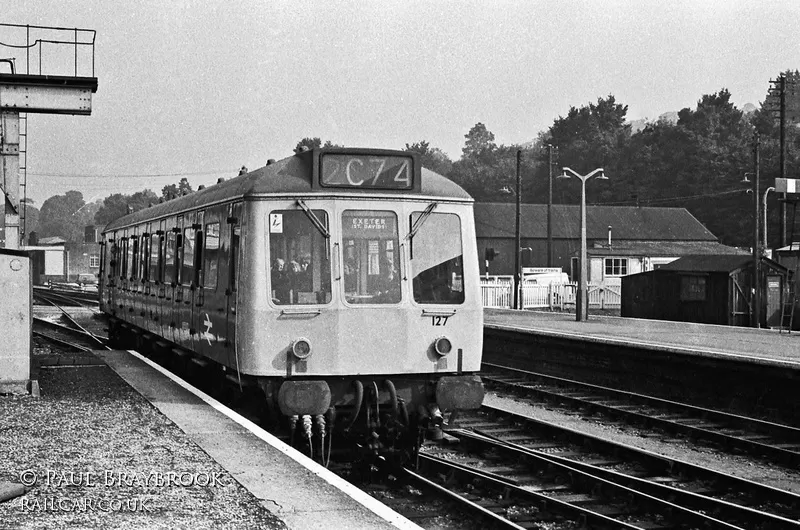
x=197 y=89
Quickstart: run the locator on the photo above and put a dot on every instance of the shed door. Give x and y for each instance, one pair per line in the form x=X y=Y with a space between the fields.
x=774 y=290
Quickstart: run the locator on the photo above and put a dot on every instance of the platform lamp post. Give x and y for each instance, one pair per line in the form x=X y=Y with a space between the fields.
x=582 y=299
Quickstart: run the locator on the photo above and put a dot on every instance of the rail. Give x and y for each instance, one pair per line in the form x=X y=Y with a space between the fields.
x=497 y=291
x=27 y=42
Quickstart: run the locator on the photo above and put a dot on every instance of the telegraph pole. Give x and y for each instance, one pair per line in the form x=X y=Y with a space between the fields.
x=782 y=81
x=756 y=251
x=550 y=206
x=518 y=239
x=780 y=84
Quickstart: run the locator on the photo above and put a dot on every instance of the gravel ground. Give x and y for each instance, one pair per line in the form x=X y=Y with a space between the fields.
x=704 y=455
x=103 y=457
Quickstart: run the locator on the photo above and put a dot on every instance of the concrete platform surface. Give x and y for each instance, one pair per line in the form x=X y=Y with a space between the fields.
x=299 y=491
x=756 y=345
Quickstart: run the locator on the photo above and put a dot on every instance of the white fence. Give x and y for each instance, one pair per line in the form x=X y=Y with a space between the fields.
x=498 y=291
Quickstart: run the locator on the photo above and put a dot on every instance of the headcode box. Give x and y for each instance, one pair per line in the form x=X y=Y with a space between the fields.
x=15 y=321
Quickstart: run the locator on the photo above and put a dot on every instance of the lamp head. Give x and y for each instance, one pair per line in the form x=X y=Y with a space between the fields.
x=602 y=176
x=746 y=180
x=563 y=174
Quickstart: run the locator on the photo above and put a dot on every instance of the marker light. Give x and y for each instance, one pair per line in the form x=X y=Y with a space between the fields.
x=301 y=348
x=443 y=346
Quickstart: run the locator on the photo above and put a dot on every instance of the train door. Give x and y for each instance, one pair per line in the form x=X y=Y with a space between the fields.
x=161 y=318
x=108 y=270
x=211 y=312
x=170 y=258
x=198 y=296
x=101 y=284
x=132 y=273
x=234 y=245
x=186 y=284
x=138 y=284
x=135 y=278
x=152 y=286
x=122 y=292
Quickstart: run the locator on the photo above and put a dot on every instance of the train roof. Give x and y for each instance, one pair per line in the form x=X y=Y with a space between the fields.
x=291 y=175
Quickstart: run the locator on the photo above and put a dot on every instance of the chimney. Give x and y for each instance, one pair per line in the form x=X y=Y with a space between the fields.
x=609 y=236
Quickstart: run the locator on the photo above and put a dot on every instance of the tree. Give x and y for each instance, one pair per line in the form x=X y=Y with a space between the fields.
x=31 y=214
x=479 y=142
x=696 y=163
x=65 y=216
x=116 y=205
x=592 y=136
x=488 y=171
x=171 y=191
x=431 y=158
x=314 y=143
x=766 y=120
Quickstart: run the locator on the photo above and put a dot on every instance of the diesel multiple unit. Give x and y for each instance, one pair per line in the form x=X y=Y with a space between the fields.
x=339 y=287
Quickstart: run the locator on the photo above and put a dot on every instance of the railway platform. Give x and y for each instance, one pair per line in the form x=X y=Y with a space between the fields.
x=743 y=370
x=300 y=492
x=763 y=346
x=122 y=443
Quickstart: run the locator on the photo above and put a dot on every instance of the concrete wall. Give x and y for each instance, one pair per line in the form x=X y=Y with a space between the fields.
x=15 y=315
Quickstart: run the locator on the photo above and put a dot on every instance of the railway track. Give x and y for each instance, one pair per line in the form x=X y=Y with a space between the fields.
x=773 y=441
x=513 y=488
x=66 y=297
x=736 y=501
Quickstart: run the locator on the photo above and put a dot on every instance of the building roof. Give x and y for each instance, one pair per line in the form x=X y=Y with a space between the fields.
x=664 y=249
x=496 y=220
x=708 y=263
x=54 y=240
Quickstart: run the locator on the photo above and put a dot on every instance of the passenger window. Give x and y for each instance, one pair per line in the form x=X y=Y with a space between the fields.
x=300 y=272
x=131 y=259
x=134 y=272
x=169 y=258
x=371 y=257
x=211 y=256
x=437 y=262
x=187 y=269
x=155 y=244
x=145 y=257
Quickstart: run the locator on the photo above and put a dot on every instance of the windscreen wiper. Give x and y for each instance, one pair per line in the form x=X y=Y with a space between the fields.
x=314 y=219
x=421 y=220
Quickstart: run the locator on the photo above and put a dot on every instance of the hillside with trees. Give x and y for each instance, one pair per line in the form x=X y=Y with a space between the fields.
x=697 y=161
x=693 y=158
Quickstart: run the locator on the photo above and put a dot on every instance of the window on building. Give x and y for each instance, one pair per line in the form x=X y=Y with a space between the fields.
x=693 y=287
x=94 y=261
x=616 y=266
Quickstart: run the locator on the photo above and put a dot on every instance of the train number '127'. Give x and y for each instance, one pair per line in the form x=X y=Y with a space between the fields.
x=439 y=320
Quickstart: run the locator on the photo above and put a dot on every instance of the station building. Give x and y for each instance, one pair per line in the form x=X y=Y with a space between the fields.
x=621 y=240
